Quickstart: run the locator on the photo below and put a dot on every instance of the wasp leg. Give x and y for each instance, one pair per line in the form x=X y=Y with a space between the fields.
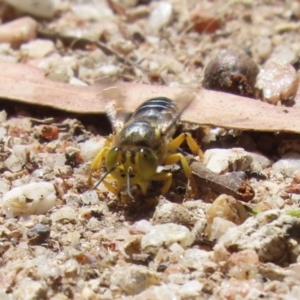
x=111 y=187
x=174 y=158
x=144 y=186
x=167 y=177
x=97 y=161
x=194 y=147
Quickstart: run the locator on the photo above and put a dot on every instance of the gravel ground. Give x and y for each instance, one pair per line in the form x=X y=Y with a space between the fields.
x=60 y=239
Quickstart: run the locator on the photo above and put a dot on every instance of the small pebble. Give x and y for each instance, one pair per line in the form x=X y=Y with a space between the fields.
x=140 y=227
x=37 y=48
x=269 y=233
x=13 y=163
x=260 y=162
x=160 y=16
x=191 y=289
x=277 y=81
x=3 y=116
x=284 y=54
x=165 y=235
x=19 y=31
x=33 y=198
x=92 y=12
x=134 y=279
x=288 y=164
x=218 y=227
x=227 y=160
x=225 y=207
x=90 y=198
x=262 y=48
x=37 y=8
x=194 y=259
x=64 y=213
x=29 y=289
x=158 y=293
x=171 y=213
x=90 y=148
x=231 y=72
x=38 y=234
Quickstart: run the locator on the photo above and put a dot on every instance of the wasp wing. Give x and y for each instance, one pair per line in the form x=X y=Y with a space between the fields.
x=182 y=102
x=114 y=100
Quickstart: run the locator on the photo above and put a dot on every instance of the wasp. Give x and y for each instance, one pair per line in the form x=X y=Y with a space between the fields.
x=133 y=153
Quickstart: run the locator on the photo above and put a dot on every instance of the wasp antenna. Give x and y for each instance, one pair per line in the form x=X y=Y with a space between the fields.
x=104 y=175
x=128 y=183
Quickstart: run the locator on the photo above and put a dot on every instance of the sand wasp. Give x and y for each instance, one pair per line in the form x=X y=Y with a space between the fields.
x=141 y=144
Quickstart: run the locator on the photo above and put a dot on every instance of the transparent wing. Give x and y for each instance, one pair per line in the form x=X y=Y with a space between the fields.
x=182 y=102
x=114 y=100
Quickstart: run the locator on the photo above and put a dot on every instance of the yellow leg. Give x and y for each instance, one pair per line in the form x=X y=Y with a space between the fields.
x=167 y=177
x=111 y=188
x=176 y=157
x=144 y=186
x=97 y=161
x=194 y=147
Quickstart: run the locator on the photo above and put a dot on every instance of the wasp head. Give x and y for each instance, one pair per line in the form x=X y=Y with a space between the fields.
x=131 y=167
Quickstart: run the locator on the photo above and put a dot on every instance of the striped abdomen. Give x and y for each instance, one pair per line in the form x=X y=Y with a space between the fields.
x=160 y=111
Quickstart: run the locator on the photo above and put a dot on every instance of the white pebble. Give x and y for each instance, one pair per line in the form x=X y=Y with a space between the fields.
x=64 y=213
x=284 y=54
x=134 y=279
x=4 y=186
x=38 y=8
x=37 y=48
x=277 y=81
x=160 y=16
x=90 y=198
x=3 y=116
x=28 y=288
x=109 y=70
x=77 y=82
x=140 y=227
x=90 y=148
x=159 y=292
x=194 y=258
x=165 y=235
x=218 y=227
x=191 y=289
x=13 y=163
x=19 y=31
x=33 y=198
x=288 y=164
x=92 y=12
x=224 y=160
x=259 y=162
x=58 y=68
x=262 y=48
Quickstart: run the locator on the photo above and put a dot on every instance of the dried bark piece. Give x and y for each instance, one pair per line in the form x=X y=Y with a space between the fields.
x=233 y=184
x=205 y=22
x=27 y=84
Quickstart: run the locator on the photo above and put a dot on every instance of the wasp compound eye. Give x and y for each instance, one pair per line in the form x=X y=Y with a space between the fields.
x=147 y=163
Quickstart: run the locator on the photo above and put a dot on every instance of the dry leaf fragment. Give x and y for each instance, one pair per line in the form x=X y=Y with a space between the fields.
x=233 y=184
x=27 y=84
